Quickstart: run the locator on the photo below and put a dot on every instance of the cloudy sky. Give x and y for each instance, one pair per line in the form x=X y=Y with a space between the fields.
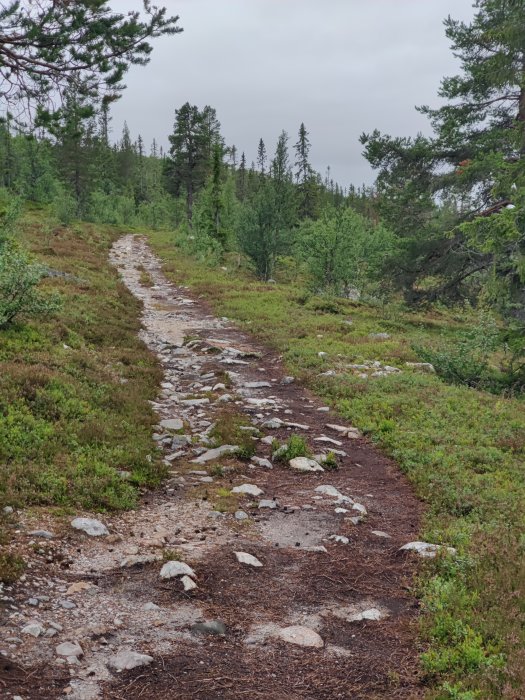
x=341 y=66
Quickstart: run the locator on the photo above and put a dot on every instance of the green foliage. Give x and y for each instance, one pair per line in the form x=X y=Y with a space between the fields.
x=295 y=447
x=467 y=360
x=344 y=252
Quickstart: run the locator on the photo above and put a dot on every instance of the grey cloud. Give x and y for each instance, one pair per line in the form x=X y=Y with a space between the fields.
x=341 y=66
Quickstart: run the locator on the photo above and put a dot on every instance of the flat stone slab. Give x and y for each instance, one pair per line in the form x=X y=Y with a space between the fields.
x=328 y=490
x=69 y=649
x=92 y=527
x=172 y=424
x=126 y=660
x=301 y=636
x=216 y=453
x=248 y=489
x=426 y=549
x=249 y=559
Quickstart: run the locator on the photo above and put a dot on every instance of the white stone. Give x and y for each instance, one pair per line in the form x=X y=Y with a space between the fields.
x=249 y=559
x=188 y=583
x=360 y=508
x=126 y=660
x=172 y=569
x=340 y=539
x=262 y=462
x=425 y=549
x=272 y=424
x=249 y=489
x=256 y=385
x=328 y=490
x=302 y=636
x=69 y=649
x=331 y=441
x=172 y=424
x=304 y=464
x=33 y=628
x=369 y=614
x=92 y=527
x=215 y=453
x=380 y=533
x=267 y=503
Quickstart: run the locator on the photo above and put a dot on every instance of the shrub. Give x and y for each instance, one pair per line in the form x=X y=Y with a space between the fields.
x=19 y=278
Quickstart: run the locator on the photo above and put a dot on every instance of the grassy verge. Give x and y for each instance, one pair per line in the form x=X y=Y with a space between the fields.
x=461 y=448
x=75 y=425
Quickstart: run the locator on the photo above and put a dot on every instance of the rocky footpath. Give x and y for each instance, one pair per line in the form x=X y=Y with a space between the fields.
x=252 y=572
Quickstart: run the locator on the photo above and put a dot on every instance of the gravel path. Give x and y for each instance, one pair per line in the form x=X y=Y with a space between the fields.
x=293 y=586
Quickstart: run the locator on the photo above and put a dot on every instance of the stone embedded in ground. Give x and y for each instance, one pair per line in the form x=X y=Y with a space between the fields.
x=339 y=511
x=380 y=533
x=267 y=503
x=213 y=627
x=272 y=424
x=267 y=440
x=248 y=489
x=172 y=424
x=359 y=508
x=125 y=660
x=256 y=385
x=34 y=629
x=379 y=336
x=302 y=636
x=369 y=614
x=151 y=606
x=288 y=380
x=43 y=534
x=78 y=587
x=426 y=549
x=345 y=430
x=262 y=462
x=216 y=453
x=92 y=527
x=340 y=539
x=69 y=649
x=241 y=515
x=328 y=490
x=299 y=426
x=331 y=441
x=194 y=402
x=188 y=583
x=304 y=464
x=172 y=569
x=249 y=559
x=67 y=604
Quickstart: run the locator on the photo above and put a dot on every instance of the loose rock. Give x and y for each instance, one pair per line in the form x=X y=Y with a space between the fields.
x=92 y=527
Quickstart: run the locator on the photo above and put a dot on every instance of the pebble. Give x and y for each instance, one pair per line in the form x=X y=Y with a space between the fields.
x=241 y=515
x=33 y=628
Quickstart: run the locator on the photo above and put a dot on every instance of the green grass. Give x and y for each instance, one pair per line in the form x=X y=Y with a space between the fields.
x=462 y=449
x=74 y=387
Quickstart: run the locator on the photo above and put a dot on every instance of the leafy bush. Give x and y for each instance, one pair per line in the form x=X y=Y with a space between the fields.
x=19 y=278
x=468 y=360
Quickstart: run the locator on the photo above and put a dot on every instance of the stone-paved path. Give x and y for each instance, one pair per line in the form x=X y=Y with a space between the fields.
x=294 y=588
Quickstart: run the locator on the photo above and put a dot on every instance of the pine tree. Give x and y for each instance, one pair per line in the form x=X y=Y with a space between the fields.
x=241 y=179
x=305 y=177
x=261 y=157
x=194 y=135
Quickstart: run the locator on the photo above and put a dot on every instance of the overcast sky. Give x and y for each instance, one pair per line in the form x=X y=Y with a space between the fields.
x=341 y=66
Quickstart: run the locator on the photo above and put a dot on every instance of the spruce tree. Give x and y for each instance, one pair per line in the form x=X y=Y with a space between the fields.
x=261 y=157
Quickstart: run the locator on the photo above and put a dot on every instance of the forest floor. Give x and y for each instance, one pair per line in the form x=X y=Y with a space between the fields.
x=324 y=611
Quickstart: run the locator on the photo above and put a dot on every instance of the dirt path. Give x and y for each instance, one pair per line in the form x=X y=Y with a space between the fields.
x=325 y=612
